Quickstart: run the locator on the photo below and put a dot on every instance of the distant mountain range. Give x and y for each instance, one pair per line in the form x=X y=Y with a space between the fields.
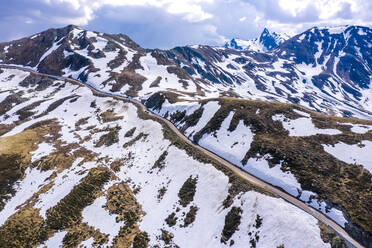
x=267 y=41
x=324 y=69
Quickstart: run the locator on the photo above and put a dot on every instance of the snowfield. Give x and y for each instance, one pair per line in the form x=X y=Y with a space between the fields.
x=302 y=126
x=352 y=154
x=233 y=146
x=209 y=109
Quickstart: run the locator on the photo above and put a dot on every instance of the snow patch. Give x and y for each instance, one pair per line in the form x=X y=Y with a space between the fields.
x=33 y=181
x=44 y=149
x=54 y=241
x=231 y=145
x=63 y=184
x=302 y=126
x=209 y=109
x=96 y=216
x=353 y=154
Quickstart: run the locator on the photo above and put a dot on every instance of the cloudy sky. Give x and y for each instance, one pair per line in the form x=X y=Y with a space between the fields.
x=168 y=23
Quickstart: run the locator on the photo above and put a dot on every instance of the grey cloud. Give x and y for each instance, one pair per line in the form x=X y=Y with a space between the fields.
x=153 y=27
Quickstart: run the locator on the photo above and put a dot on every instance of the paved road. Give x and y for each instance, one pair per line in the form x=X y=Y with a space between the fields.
x=287 y=197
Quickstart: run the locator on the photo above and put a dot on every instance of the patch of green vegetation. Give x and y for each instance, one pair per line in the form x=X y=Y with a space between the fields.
x=121 y=201
x=187 y=191
x=115 y=165
x=130 y=132
x=26 y=112
x=171 y=220
x=59 y=102
x=80 y=122
x=67 y=212
x=190 y=216
x=141 y=240
x=77 y=234
x=135 y=139
x=156 y=82
x=181 y=73
x=159 y=164
x=10 y=101
x=232 y=222
x=193 y=119
x=329 y=236
x=128 y=77
x=166 y=236
x=177 y=116
x=161 y=193
x=6 y=128
x=15 y=156
x=11 y=170
x=258 y=223
x=100 y=240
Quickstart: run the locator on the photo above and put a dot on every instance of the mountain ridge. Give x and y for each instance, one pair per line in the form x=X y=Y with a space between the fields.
x=265 y=42
x=299 y=71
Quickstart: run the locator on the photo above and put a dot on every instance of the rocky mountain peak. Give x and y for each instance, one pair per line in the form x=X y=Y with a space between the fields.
x=265 y=42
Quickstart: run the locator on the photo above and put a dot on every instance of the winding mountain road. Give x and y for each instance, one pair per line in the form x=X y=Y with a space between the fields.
x=237 y=170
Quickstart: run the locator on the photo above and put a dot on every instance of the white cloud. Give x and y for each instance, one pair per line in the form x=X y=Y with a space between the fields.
x=167 y=23
x=294 y=16
x=243 y=19
x=326 y=8
x=189 y=10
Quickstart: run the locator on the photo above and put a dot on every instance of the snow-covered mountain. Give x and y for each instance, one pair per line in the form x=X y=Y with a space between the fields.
x=82 y=170
x=233 y=102
x=325 y=69
x=328 y=70
x=266 y=42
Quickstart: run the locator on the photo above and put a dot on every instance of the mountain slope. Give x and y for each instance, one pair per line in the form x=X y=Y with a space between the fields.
x=112 y=62
x=82 y=158
x=325 y=69
x=300 y=151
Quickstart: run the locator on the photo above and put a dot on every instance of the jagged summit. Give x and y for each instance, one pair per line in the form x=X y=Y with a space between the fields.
x=265 y=42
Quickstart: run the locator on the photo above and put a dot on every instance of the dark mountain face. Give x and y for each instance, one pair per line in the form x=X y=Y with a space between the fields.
x=233 y=44
x=344 y=53
x=53 y=50
x=268 y=40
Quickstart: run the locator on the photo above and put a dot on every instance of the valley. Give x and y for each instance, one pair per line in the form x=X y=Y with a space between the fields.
x=90 y=121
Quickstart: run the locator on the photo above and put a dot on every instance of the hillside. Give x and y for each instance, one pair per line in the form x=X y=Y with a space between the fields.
x=78 y=172
x=300 y=151
x=324 y=69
